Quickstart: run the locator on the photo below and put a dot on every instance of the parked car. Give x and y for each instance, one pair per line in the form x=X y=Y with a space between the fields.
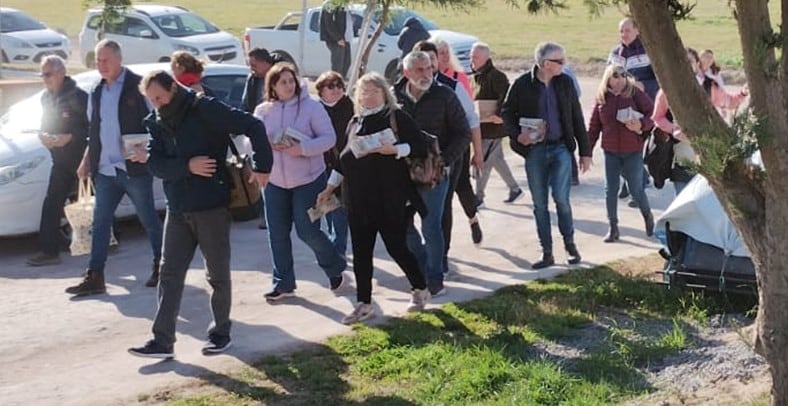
x=284 y=38
x=150 y=33
x=25 y=40
x=25 y=163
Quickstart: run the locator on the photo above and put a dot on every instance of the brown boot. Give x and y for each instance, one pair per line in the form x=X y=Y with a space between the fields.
x=92 y=284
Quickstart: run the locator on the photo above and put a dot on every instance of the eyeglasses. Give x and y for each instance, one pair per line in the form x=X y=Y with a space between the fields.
x=332 y=86
x=617 y=75
x=558 y=61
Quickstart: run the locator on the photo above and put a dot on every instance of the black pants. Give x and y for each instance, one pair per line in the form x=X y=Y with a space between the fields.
x=460 y=183
x=62 y=185
x=363 y=236
x=340 y=58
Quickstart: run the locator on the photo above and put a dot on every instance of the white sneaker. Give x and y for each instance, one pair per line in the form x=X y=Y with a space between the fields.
x=418 y=300
x=362 y=312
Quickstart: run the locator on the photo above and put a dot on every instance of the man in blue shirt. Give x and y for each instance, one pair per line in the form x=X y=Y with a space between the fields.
x=116 y=110
x=544 y=121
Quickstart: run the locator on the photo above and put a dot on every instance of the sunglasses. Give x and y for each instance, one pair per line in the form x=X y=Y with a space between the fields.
x=617 y=75
x=332 y=86
x=558 y=61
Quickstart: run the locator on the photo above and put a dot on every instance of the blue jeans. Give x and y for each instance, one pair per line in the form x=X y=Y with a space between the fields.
x=550 y=165
x=285 y=207
x=630 y=166
x=338 y=229
x=429 y=254
x=109 y=192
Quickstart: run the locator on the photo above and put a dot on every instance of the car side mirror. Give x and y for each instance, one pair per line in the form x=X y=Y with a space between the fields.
x=147 y=34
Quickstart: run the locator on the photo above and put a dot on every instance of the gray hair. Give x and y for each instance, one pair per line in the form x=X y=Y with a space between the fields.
x=544 y=49
x=108 y=43
x=57 y=63
x=481 y=46
x=412 y=57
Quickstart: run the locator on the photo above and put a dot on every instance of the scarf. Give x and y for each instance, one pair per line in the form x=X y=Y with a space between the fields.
x=173 y=113
x=188 y=79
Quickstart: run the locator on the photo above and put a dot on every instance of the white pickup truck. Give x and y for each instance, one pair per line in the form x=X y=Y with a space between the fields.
x=285 y=38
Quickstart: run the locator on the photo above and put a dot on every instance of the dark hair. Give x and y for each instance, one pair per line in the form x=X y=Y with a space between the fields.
x=328 y=77
x=159 y=77
x=187 y=61
x=425 y=46
x=694 y=54
x=261 y=54
x=273 y=76
x=714 y=68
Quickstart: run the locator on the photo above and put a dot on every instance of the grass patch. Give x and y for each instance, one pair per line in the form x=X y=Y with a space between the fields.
x=523 y=345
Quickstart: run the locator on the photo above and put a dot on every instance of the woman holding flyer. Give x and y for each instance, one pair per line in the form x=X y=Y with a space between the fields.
x=300 y=131
x=376 y=189
x=622 y=114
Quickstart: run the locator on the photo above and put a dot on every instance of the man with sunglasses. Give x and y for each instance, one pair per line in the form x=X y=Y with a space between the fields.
x=544 y=120
x=64 y=131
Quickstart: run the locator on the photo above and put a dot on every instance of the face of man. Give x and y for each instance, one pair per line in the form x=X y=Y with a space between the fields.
x=553 y=64
x=108 y=63
x=478 y=58
x=53 y=78
x=420 y=74
x=627 y=32
x=158 y=95
x=259 y=68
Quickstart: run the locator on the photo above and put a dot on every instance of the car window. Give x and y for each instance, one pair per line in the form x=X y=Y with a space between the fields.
x=17 y=21
x=227 y=88
x=135 y=27
x=183 y=25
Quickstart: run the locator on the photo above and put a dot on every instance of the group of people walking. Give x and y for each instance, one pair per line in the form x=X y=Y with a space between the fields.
x=306 y=151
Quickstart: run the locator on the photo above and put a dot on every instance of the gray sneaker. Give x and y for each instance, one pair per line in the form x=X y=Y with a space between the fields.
x=418 y=300
x=362 y=312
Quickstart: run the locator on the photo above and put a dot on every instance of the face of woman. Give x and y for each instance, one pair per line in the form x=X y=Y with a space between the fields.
x=371 y=96
x=285 y=86
x=332 y=92
x=617 y=81
x=444 y=58
x=177 y=70
x=706 y=60
x=158 y=95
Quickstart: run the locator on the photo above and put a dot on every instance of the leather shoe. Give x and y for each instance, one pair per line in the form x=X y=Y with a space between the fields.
x=547 y=260
x=612 y=234
x=574 y=255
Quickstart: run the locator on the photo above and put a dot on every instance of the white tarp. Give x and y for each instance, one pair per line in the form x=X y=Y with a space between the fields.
x=697 y=212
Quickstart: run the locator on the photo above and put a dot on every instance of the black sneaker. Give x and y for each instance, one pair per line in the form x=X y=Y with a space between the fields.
x=336 y=282
x=624 y=193
x=436 y=288
x=275 y=295
x=514 y=195
x=152 y=349
x=92 y=284
x=42 y=259
x=574 y=255
x=216 y=345
x=633 y=204
x=153 y=281
x=476 y=233
x=547 y=260
x=479 y=203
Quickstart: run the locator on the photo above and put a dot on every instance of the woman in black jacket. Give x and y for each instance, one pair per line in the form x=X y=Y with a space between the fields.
x=376 y=190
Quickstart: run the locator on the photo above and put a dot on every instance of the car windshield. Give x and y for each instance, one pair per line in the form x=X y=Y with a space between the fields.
x=183 y=25
x=18 y=21
x=398 y=18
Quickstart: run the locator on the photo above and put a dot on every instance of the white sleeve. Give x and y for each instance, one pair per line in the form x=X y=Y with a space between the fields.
x=335 y=179
x=467 y=105
x=403 y=150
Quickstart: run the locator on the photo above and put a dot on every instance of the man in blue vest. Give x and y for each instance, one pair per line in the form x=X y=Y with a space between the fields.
x=116 y=109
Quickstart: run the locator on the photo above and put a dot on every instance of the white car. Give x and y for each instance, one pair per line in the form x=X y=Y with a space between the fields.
x=150 y=33
x=25 y=40
x=25 y=163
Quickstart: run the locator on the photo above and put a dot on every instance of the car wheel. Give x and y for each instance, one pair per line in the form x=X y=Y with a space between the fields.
x=392 y=71
x=5 y=57
x=90 y=60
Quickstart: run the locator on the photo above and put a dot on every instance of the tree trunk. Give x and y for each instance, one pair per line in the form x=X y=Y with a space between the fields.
x=756 y=203
x=384 y=19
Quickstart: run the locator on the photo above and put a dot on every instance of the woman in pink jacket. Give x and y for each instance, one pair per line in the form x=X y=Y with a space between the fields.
x=300 y=131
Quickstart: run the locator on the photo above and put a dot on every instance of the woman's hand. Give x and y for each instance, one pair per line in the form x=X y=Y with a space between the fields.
x=137 y=154
x=635 y=126
x=386 y=149
x=325 y=194
x=293 y=150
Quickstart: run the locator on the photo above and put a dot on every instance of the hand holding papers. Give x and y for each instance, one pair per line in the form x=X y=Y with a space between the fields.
x=536 y=128
x=486 y=109
x=321 y=208
x=628 y=114
x=288 y=137
x=363 y=145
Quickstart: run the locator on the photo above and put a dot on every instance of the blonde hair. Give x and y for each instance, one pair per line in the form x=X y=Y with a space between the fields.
x=377 y=80
x=454 y=63
x=603 y=84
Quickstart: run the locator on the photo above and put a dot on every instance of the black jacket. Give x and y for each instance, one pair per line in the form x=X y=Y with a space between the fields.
x=489 y=83
x=439 y=113
x=412 y=32
x=333 y=23
x=204 y=130
x=523 y=101
x=377 y=188
x=132 y=109
x=340 y=115
x=253 y=92
x=65 y=112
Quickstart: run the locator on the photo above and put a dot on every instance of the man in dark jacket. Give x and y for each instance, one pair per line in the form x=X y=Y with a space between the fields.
x=336 y=30
x=544 y=120
x=64 y=131
x=260 y=61
x=116 y=111
x=631 y=54
x=412 y=32
x=437 y=111
x=189 y=141
x=490 y=84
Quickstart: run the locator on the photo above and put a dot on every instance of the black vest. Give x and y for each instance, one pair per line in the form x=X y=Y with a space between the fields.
x=132 y=109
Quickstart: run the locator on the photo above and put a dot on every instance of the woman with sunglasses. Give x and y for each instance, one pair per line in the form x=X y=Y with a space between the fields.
x=331 y=90
x=622 y=115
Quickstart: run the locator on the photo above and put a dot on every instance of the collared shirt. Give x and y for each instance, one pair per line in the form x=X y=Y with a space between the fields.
x=111 y=156
x=548 y=111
